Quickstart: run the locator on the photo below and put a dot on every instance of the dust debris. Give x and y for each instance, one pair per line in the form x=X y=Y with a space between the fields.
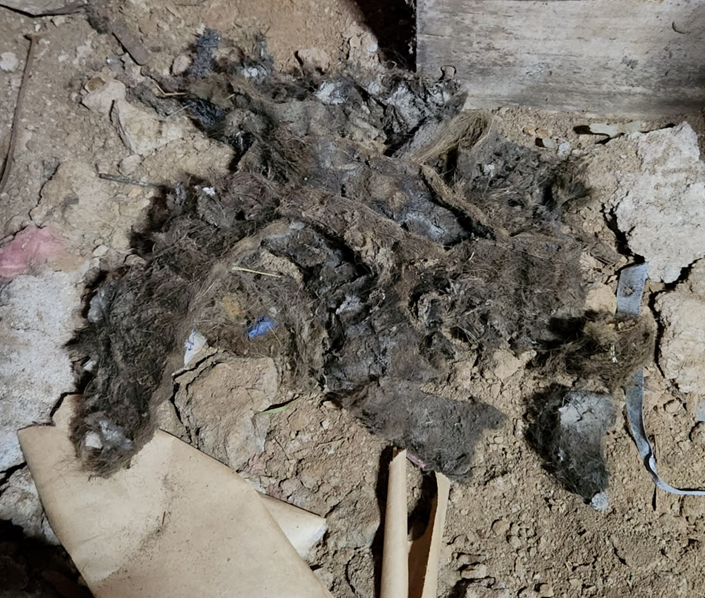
x=567 y=430
x=403 y=234
x=602 y=350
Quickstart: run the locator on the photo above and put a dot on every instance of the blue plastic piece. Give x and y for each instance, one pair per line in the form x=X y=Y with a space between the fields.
x=261 y=327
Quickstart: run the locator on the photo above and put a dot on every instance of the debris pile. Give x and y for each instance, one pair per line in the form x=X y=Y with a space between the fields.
x=371 y=235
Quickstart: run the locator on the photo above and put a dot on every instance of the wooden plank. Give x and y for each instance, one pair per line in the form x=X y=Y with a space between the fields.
x=632 y=57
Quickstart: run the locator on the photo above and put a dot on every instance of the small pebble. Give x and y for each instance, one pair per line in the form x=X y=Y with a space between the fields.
x=180 y=64
x=672 y=406
x=697 y=433
x=9 y=62
x=545 y=590
x=500 y=527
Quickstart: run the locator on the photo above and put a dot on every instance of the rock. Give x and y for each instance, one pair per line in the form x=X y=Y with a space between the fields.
x=102 y=92
x=219 y=403
x=654 y=184
x=699 y=411
x=36 y=322
x=500 y=527
x=362 y=46
x=167 y=419
x=545 y=590
x=672 y=406
x=143 y=132
x=681 y=354
x=547 y=142
x=87 y=209
x=314 y=57
x=615 y=130
x=181 y=64
x=476 y=571
x=563 y=149
x=601 y=298
x=8 y=62
x=19 y=503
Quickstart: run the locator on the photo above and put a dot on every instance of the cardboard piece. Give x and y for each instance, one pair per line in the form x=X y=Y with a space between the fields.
x=176 y=523
x=395 y=564
x=411 y=570
x=425 y=553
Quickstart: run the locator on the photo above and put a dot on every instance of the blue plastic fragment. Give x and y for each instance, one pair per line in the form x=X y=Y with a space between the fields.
x=261 y=327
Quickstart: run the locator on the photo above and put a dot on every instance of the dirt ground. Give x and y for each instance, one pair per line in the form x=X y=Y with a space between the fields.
x=511 y=529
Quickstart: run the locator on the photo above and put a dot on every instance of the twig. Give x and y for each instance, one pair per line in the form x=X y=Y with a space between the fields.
x=168 y=94
x=126 y=180
x=14 y=131
x=239 y=269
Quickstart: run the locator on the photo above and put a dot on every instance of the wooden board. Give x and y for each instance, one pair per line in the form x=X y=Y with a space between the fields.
x=635 y=57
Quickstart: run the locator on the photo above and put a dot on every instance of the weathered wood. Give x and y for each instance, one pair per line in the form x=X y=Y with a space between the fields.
x=637 y=57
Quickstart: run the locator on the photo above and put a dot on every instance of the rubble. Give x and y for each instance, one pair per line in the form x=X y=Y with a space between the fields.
x=682 y=346
x=142 y=132
x=101 y=93
x=654 y=183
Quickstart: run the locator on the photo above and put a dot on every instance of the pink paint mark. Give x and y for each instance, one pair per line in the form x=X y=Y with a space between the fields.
x=30 y=248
